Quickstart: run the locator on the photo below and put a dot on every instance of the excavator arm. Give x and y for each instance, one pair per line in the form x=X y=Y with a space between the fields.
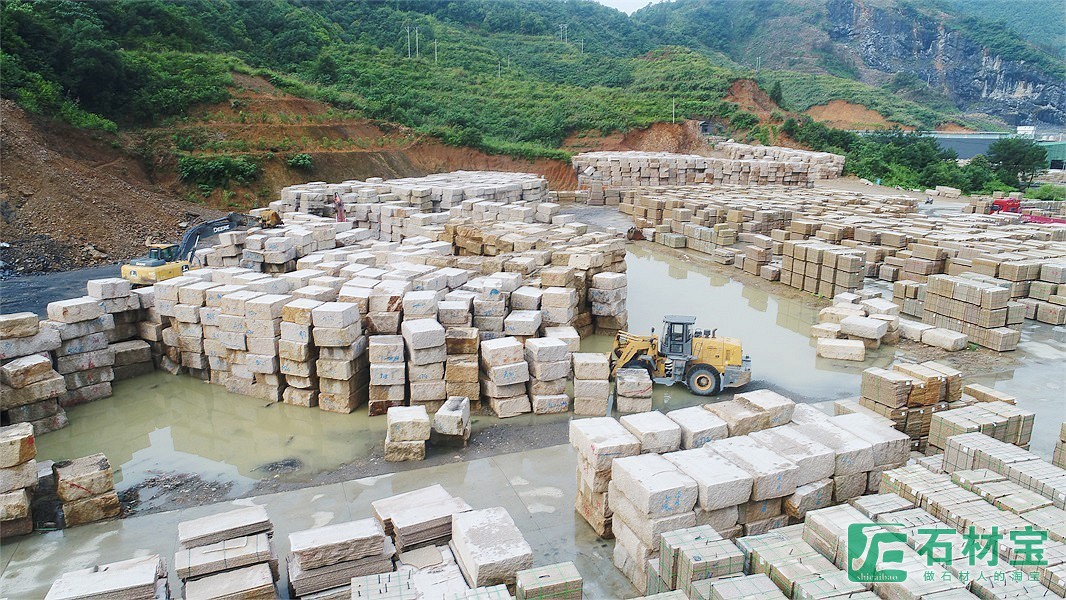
x=206 y=229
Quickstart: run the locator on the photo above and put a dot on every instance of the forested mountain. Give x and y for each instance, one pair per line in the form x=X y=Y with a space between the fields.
x=506 y=73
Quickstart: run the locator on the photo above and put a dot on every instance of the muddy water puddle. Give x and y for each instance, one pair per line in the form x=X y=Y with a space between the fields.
x=178 y=441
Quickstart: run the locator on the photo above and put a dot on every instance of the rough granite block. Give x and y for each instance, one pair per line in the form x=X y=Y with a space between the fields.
x=657 y=432
x=654 y=485
x=778 y=407
x=720 y=483
x=773 y=475
x=698 y=426
x=816 y=461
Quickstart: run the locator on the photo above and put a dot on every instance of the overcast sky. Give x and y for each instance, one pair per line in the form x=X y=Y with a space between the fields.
x=627 y=6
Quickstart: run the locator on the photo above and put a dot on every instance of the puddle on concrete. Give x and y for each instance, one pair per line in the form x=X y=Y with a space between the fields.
x=160 y=428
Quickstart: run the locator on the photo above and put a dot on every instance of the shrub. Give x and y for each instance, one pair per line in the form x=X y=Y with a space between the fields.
x=301 y=161
x=217 y=171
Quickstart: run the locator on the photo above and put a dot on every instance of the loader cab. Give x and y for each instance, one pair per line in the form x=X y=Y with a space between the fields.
x=677 y=336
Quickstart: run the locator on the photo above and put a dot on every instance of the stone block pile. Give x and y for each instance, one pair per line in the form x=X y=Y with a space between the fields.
x=228 y=554
x=592 y=385
x=758 y=465
x=30 y=387
x=462 y=372
x=549 y=361
x=18 y=479
x=86 y=488
x=504 y=374
x=424 y=340
x=824 y=164
x=84 y=358
x=408 y=431
x=632 y=391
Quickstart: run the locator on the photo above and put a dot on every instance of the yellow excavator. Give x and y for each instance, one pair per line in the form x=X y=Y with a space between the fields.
x=166 y=261
x=699 y=359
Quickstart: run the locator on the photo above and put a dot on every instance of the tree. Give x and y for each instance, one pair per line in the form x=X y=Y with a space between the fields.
x=1017 y=159
x=776 y=94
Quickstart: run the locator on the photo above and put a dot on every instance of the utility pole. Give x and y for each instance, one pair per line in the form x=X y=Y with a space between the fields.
x=434 y=51
x=499 y=68
x=582 y=45
x=758 y=64
x=673 y=110
x=408 y=29
x=564 y=33
x=416 y=42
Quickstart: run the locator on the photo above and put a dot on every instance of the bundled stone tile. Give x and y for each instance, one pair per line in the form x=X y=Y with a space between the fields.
x=488 y=547
x=408 y=430
x=552 y=582
x=329 y=557
x=143 y=578
x=592 y=385
x=86 y=487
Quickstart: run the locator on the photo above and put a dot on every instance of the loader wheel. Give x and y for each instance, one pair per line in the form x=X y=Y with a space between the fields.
x=703 y=381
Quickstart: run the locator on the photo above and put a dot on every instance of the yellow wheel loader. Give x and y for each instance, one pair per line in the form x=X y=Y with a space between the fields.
x=697 y=358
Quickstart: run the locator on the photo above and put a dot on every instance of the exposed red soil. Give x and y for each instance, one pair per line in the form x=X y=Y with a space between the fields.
x=847 y=115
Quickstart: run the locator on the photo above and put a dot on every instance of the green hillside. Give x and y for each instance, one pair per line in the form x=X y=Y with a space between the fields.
x=497 y=74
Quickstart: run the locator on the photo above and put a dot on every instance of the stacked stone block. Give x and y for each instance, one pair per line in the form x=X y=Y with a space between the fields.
x=427 y=355
x=86 y=488
x=632 y=391
x=84 y=358
x=388 y=373
x=297 y=354
x=592 y=385
x=409 y=428
x=549 y=369
x=504 y=373
x=461 y=370
x=18 y=478
x=342 y=366
x=608 y=297
x=30 y=387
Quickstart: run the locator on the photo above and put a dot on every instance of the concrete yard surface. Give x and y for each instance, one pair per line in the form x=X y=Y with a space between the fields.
x=536 y=487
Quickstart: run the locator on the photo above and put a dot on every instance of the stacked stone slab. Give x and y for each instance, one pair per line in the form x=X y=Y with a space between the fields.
x=227 y=553
x=262 y=321
x=504 y=373
x=822 y=268
x=462 y=370
x=873 y=321
x=182 y=333
x=388 y=373
x=598 y=442
x=142 y=578
x=408 y=430
x=632 y=391
x=549 y=369
x=559 y=304
x=326 y=559
x=608 y=296
x=427 y=354
x=86 y=488
x=974 y=308
x=18 y=478
x=998 y=420
x=343 y=366
x=30 y=387
x=826 y=165
x=297 y=355
x=84 y=358
x=592 y=385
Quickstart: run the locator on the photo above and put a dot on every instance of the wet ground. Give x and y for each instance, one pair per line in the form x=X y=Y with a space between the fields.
x=536 y=487
x=32 y=293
